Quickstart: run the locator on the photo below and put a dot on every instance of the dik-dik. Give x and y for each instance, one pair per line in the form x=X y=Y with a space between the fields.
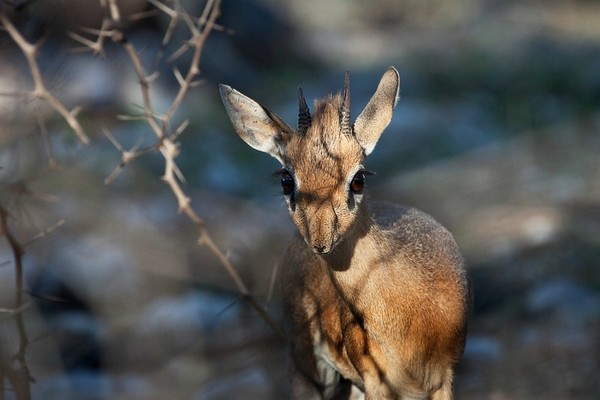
x=376 y=294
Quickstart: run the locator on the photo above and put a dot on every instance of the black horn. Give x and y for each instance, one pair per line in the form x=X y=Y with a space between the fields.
x=304 y=119
x=345 y=117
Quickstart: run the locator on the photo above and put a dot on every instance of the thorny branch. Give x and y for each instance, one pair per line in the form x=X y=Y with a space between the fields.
x=40 y=91
x=13 y=363
x=167 y=144
x=20 y=377
x=161 y=126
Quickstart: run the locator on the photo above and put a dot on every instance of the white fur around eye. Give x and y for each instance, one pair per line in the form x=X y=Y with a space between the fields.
x=350 y=176
x=354 y=199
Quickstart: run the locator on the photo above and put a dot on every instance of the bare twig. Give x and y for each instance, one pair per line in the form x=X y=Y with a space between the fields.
x=40 y=91
x=96 y=46
x=213 y=10
x=173 y=14
x=16 y=310
x=17 y=251
x=272 y=281
x=160 y=125
x=45 y=232
x=127 y=156
x=114 y=10
x=20 y=378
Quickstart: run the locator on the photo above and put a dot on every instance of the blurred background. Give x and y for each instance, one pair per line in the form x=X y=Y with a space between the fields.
x=497 y=136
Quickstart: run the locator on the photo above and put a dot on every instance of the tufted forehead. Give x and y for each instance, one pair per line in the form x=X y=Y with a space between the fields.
x=324 y=151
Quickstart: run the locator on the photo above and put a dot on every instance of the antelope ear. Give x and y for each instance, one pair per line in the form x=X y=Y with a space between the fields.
x=377 y=115
x=256 y=125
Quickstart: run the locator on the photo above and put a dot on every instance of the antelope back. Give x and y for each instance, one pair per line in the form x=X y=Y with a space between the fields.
x=322 y=171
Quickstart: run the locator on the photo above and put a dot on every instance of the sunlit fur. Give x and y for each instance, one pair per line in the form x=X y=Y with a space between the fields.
x=376 y=294
x=323 y=162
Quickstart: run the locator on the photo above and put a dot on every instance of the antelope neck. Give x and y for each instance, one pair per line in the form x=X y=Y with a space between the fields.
x=341 y=258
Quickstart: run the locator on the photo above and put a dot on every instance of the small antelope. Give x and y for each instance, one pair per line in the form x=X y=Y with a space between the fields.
x=377 y=294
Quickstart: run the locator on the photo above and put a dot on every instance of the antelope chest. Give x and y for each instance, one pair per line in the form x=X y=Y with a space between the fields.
x=340 y=340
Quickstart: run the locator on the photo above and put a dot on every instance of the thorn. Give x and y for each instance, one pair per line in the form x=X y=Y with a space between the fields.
x=153 y=76
x=170 y=12
x=178 y=76
x=181 y=128
x=76 y=110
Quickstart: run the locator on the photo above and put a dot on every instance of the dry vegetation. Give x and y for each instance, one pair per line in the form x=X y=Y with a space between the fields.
x=15 y=374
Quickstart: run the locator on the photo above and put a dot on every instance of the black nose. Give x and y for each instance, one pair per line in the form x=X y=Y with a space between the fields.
x=320 y=249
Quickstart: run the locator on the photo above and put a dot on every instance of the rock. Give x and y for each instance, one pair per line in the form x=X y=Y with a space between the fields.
x=80 y=385
x=572 y=303
x=482 y=349
x=250 y=383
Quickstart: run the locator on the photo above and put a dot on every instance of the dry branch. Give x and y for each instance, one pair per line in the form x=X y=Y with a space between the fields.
x=166 y=143
x=160 y=125
x=20 y=377
x=40 y=91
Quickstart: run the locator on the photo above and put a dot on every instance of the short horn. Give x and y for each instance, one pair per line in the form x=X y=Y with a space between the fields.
x=304 y=119
x=345 y=120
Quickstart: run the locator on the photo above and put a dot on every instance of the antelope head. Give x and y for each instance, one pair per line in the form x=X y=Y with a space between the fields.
x=322 y=172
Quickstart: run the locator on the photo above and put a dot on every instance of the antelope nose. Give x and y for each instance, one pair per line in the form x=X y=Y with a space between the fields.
x=320 y=248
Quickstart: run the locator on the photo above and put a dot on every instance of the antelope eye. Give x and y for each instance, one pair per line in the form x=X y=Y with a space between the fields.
x=287 y=183
x=357 y=186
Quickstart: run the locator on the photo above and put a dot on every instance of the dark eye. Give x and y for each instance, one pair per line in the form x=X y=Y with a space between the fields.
x=287 y=183
x=357 y=186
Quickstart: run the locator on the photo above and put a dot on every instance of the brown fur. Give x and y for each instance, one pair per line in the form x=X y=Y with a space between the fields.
x=377 y=296
x=390 y=303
